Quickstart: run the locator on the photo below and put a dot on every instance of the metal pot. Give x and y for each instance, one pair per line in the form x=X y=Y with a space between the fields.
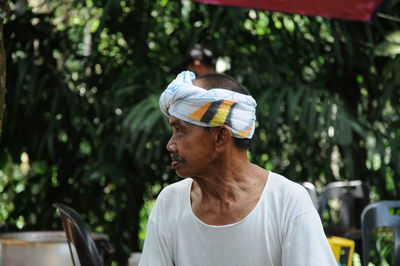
x=38 y=248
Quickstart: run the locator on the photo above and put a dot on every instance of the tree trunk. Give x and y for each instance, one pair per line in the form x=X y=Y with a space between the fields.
x=3 y=12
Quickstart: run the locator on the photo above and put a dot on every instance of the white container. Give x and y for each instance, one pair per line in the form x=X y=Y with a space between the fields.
x=134 y=259
x=37 y=248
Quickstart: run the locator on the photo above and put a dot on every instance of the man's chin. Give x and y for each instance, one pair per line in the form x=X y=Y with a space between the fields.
x=181 y=174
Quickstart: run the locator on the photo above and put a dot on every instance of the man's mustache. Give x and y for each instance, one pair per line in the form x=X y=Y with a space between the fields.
x=176 y=157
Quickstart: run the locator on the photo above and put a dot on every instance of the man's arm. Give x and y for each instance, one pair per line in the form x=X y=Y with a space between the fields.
x=306 y=244
x=156 y=250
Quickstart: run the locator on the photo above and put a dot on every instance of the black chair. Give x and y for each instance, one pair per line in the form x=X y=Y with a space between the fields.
x=79 y=236
x=340 y=207
x=382 y=214
x=341 y=204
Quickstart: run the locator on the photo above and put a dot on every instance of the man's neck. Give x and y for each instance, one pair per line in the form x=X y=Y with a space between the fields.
x=229 y=191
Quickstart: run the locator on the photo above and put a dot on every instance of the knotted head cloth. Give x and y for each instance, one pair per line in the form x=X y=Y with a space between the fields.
x=209 y=108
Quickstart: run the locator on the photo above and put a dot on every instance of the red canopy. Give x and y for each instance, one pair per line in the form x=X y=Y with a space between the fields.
x=344 y=9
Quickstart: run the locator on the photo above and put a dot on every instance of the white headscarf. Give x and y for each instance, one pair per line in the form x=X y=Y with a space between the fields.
x=209 y=108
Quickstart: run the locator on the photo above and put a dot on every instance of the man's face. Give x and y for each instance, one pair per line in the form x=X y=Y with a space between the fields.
x=191 y=148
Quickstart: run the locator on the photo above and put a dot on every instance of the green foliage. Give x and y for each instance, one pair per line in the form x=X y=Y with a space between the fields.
x=382 y=251
x=82 y=124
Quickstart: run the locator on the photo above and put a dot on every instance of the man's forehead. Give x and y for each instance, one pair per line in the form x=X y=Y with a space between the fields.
x=174 y=121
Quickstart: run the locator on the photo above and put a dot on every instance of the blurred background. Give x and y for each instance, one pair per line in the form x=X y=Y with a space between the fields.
x=82 y=124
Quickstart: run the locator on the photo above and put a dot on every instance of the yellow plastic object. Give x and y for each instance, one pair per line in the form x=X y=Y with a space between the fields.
x=343 y=249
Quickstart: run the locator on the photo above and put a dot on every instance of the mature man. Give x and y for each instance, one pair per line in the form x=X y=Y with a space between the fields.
x=227 y=210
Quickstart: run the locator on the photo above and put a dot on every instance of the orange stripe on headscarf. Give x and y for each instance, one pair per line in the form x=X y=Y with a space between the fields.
x=198 y=114
x=244 y=133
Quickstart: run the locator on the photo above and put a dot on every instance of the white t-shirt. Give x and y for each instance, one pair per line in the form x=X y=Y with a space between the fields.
x=283 y=229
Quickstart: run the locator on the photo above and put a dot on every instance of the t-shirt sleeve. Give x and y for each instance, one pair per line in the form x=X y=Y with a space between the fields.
x=306 y=244
x=156 y=249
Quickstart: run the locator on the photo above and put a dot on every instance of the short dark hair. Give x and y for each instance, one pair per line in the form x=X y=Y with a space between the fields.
x=201 y=53
x=223 y=81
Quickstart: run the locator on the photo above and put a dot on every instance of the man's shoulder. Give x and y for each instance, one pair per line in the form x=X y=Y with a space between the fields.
x=278 y=182
x=285 y=190
x=172 y=200
x=175 y=189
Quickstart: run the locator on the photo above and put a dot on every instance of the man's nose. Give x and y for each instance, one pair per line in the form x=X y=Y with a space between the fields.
x=171 y=145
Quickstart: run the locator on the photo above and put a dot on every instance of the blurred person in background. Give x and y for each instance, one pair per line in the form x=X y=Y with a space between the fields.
x=199 y=60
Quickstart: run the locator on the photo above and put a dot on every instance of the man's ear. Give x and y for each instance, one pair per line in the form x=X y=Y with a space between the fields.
x=223 y=138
